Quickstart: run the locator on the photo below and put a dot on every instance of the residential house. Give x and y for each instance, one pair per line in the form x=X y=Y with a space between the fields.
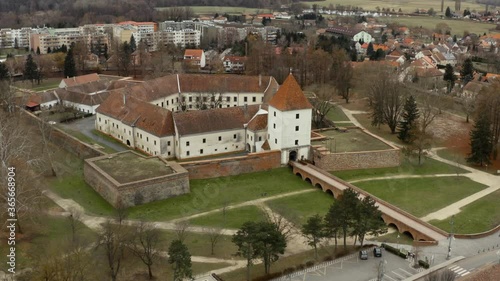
x=195 y=57
x=473 y=88
x=396 y=56
x=77 y=80
x=235 y=64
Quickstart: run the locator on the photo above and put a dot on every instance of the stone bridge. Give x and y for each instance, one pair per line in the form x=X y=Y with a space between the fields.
x=404 y=222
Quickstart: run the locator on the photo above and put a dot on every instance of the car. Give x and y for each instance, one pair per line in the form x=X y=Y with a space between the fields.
x=377 y=252
x=363 y=255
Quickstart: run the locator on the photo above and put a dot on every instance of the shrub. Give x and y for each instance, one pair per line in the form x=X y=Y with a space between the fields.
x=423 y=264
x=288 y=270
x=309 y=263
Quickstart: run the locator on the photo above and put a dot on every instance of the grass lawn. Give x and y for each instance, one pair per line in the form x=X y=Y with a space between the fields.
x=45 y=84
x=479 y=216
x=45 y=234
x=407 y=167
x=209 y=194
x=350 y=141
x=458 y=157
x=199 y=244
x=336 y=114
x=393 y=238
x=299 y=208
x=288 y=262
x=200 y=267
x=436 y=193
x=86 y=139
x=234 y=217
x=71 y=185
x=383 y=131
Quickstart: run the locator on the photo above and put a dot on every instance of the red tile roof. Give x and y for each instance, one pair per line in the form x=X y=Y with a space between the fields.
x=290 y=96
x=134 y=112
x=77 y=80
x=193 y=53
x=213 y=120
x=258 y=123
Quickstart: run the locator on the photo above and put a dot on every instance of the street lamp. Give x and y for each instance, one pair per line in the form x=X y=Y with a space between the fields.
x=381 y=270
x=450 y=237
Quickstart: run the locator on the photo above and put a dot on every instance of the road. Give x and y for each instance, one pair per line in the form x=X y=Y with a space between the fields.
x=86 y=126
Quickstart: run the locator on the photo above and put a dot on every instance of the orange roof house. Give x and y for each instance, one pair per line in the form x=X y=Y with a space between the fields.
x=195 y=57
x=77 y=80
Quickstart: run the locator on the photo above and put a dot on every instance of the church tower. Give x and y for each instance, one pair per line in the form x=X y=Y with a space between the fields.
x=289 y=122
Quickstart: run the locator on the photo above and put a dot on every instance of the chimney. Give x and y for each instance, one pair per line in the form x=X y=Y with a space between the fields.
x=124 y=99
x=260 y=80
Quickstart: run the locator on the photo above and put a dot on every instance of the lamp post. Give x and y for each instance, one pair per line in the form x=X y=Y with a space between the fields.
x=450 y=237
x=381 y=270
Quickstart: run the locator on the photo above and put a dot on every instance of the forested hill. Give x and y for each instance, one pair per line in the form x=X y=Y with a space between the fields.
x=67 y=13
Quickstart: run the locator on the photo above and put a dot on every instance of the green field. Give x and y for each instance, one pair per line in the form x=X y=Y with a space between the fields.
x=479 y=216
x=407 y=167
x=435 y=193
x=406 y=6
x=336 y=114
x=199 y=244
x=209 y=194
x=234 y=218
x=350 y=141
x=299 y=208
x=45 y=84
x=457 y=26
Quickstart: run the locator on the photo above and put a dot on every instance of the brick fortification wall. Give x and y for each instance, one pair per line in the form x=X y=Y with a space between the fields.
x=356 y=160
x=138 y=192
x=62 y=139
x=253 y=162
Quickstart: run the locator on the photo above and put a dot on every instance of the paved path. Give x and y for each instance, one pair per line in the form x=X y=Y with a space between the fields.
x=404 y=177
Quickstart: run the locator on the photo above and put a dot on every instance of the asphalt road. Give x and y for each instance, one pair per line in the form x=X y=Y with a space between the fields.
x=464 y=267
x=354 y=269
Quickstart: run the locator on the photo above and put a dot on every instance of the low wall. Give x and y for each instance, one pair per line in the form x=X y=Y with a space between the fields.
x=253 y=162
x=66 y=141
x=137 y=192
x=477 y=235
x=355 y=160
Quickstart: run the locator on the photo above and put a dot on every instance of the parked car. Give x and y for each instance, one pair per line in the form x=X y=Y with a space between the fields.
x=377 y=252
x=363 y=255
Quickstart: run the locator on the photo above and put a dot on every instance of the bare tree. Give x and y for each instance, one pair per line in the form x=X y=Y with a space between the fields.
x=387 y=99
x=214 y=235
x=112 y=240
x=181 y=229
x=342 y=73
x=121 y=212
x=144 y=244
x=284 y=226
x=489 y=103
x=428 y=113
x=420 y=143
x=74 y=217
x=322 y=103
x=468 y=105
x=47 y=152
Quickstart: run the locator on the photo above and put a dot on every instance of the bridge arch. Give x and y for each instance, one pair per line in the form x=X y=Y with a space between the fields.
x=299 y=175
x=392 y=225
x=329 y=191
x=318 y=186
x=308 y=180
x=409 y=234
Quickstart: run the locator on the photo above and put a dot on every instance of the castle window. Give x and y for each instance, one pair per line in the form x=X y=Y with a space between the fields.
x=235 y=99
x=276 y=141
x=254 y=99
x=168 y=143
x=204 y=140
x=296 y=128
x=260 y=138
x=220 y=138
x=99 y=119
x=190 y=99
x=187 y=153
x=201 y=151
x=245 y=99
x=297 y=116
x=234 y=136
x=228 y=99
x=262 y=99
x=168 y=153
x=275 y=114
x=274 y=125
x=187 y=143
x=296 y=142
x=155 y=142
x=161 y=104
x=147 y=138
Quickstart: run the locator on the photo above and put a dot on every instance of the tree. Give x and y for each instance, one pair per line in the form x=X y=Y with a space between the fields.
x=144 y=244
x=342 y=73
x=448 y=12
x=181 y=230
x=69 y=64
x=113 y=240
x=449 y=77
x=489 y=104
x=123 y=58
x=367 y=219
x=343 y=212
x=468 y=105
x=332 y=222
x=386 y=100
x=180 y=259
x=244 y=240
x=37 y=50
x=4 y=72
x=214 y=235
x=30 y=69
x=421 y=142
x=370 y=50
x=322 y=103
x=378 y=55
x=133 y=44
x=467 y=71
x=409 y=118
x=313 y=231
x=480 y=142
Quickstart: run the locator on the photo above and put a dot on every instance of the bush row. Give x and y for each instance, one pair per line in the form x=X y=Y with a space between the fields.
x=393 y=250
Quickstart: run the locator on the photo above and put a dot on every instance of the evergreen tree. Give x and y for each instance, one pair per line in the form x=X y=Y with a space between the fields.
x=455 y=38
x=30 y=69
x=180 y=259
x=481 y=142
x=313 y=231
x=370 y=50
x=448 y=12
x=449 y=77
x=69 y=64
x=133 y=44
x=467 y=71
x=409 y=116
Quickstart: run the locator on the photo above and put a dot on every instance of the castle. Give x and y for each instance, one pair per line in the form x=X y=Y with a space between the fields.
x=187 y=116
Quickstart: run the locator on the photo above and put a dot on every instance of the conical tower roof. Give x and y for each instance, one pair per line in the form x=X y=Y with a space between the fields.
x=290 y=96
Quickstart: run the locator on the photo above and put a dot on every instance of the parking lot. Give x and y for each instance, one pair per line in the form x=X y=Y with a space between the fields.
x=354 y=269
